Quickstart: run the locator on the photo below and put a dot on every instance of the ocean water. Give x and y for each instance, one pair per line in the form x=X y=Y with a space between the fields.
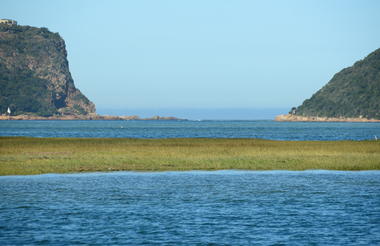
x=192 y=208
x=193 y=129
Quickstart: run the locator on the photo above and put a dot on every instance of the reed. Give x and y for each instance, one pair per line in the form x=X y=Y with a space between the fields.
x=23 y=155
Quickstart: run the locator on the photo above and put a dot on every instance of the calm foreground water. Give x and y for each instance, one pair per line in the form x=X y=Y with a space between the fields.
x=193 y=129
x=192 y=208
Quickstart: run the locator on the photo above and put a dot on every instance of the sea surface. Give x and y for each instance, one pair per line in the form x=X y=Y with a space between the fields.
x=192 y=208
x=264 y=129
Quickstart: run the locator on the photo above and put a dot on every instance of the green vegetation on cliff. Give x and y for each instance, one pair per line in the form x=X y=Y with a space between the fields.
x=23 y=92
x=353 y=92
x=34 y=74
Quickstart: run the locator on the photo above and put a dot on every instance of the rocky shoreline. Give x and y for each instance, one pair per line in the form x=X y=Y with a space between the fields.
x=290 y=117
x=85 y=117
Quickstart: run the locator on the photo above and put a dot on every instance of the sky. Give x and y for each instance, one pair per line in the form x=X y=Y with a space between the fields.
x=169 y=56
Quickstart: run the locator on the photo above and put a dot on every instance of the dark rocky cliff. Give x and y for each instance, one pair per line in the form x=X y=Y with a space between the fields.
x=353 y=92
x=34 y=74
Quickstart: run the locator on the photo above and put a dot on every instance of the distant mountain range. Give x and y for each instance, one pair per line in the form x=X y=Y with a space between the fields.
x=34 y=74
x=353 y=92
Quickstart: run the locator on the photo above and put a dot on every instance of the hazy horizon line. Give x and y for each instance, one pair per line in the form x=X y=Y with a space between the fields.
x=199 y=113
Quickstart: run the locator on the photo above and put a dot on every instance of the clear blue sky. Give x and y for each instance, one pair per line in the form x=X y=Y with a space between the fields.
x=204 y=54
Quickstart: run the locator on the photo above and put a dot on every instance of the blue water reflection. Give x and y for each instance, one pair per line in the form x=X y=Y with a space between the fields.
x=193 y=129
x=192 y=208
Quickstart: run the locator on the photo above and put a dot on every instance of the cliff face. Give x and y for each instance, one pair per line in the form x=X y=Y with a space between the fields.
x=34 y=74
x=353 y=92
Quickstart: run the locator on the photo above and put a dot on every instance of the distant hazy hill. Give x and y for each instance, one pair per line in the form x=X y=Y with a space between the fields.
x=34 y=74
x=353 y=92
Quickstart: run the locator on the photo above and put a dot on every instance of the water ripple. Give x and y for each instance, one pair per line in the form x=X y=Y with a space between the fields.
x=192 y=208
x=193 y=129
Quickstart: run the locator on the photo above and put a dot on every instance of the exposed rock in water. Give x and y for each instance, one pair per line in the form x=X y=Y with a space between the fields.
x=34 y=74
x=86 y=117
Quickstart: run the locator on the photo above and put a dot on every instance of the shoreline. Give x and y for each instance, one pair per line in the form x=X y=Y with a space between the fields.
x=27 y=155
x=87 y=117
x=278 y=118
x=297 y=118
x=198 y=171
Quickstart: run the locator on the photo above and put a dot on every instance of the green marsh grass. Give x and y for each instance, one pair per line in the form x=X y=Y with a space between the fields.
x=22 y=155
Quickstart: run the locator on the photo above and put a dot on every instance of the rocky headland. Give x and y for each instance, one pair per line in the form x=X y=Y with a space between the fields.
x=353 y=94
x=35 y=79
x=34 y=74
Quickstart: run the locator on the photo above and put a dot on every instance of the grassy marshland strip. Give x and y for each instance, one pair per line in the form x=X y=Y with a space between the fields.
x=21 y=155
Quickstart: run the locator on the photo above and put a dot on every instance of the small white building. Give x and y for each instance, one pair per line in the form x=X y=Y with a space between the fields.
x=8 y=22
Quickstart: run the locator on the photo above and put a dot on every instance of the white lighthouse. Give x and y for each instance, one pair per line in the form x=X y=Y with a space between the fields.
x=9 y=111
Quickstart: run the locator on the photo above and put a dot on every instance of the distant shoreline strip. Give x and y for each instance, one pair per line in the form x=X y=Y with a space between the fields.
x=297 y=118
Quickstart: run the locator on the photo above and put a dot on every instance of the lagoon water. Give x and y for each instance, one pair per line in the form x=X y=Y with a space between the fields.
x=265 y=129
x=192 y=208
